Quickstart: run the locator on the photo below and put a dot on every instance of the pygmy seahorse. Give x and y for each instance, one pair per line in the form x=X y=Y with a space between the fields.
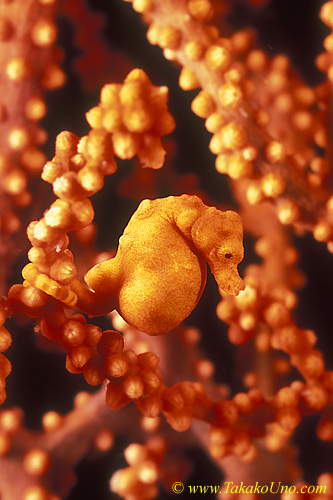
x=159 y=272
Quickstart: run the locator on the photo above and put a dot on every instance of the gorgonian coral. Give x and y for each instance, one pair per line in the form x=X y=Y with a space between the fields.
x=162 y=394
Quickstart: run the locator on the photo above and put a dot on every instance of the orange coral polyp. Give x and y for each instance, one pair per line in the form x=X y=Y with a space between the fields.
x=49 y=286
x=58 y=214
x=36 y=462
x=80 y=355
x=33 y=297
x=44 y=32
x=230 y=95
x=218 y=58
x=63 y=270
x=137 y=119
x=18 y=138
x=203 y=105
x=73 y=333
x=5 y=339
x=133 y=386
x=116 y=365
x=18 y=69
x=132 y=113
x=35 y=108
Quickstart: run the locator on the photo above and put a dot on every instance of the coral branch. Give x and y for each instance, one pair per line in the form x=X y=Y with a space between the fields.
x=245 y=97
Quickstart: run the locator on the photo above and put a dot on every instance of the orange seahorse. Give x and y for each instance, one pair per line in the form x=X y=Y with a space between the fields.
x=159 y=272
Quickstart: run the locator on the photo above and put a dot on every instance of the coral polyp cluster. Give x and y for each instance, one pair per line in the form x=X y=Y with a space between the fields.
x=136 y=115
x=244 y=96
x=30 y=68
x=77 y=172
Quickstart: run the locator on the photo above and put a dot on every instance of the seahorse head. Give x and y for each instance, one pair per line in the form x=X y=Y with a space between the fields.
x=218 y=236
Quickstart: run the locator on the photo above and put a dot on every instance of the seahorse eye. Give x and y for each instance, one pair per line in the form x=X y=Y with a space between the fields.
x=228 y=255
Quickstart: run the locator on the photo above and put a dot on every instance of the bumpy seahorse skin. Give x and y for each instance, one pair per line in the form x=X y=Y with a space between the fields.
x=159 y=272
